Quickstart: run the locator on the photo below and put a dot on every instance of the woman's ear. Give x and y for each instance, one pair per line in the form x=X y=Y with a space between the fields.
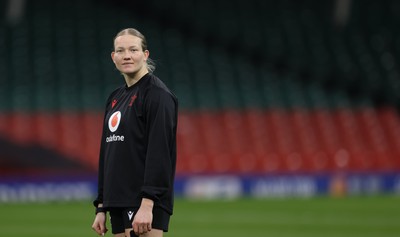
x=112 y=56
x=146 y=54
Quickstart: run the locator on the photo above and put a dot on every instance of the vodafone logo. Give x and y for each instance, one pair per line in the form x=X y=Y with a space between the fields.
x=113 y=124
x=114 y=120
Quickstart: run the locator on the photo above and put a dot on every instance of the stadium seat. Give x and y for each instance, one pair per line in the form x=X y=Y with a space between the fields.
x=264 y=87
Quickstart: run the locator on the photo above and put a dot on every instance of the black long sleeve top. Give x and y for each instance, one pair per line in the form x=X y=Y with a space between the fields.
x=138 y=146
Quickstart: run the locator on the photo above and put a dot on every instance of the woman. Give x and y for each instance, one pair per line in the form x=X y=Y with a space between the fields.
x=138 y=147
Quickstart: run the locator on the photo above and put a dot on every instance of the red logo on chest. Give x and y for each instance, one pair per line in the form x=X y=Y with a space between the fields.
x=114 y=102
x=133 y=98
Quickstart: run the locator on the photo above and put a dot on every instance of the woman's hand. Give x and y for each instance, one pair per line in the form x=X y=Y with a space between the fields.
x=99 y=224
x=144 y=217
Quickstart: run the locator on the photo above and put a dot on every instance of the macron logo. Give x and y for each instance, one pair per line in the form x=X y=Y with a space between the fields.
x=130 y=214
x=114 y=120
x=114 y=102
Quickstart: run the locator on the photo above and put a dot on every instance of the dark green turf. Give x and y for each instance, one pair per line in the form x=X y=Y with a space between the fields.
x=316 y=217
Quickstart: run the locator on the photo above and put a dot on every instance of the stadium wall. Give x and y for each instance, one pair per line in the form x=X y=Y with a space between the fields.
x=64 y=188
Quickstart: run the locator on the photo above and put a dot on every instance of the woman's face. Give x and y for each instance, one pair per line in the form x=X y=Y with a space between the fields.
x=128 y=55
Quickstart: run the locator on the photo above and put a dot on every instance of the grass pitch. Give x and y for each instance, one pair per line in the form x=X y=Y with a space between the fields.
x=315 y=217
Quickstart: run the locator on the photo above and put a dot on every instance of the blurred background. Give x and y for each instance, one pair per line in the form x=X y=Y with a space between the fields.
x=277 y=98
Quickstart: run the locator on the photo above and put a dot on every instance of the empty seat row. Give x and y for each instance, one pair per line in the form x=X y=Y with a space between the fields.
x=70 y=53
x=296 y=140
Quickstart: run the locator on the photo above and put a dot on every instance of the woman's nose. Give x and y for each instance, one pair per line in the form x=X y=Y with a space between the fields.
x=127 y=55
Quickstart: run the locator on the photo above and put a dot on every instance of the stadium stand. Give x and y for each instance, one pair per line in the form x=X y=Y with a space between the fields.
x=264 y=87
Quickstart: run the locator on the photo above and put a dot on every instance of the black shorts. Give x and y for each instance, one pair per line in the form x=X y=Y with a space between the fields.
x=121 y=218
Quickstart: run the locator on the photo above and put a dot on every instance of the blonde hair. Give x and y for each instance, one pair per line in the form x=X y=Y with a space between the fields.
x=151 y=66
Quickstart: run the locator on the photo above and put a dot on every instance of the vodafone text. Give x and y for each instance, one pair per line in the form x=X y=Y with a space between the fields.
x=115 y=138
